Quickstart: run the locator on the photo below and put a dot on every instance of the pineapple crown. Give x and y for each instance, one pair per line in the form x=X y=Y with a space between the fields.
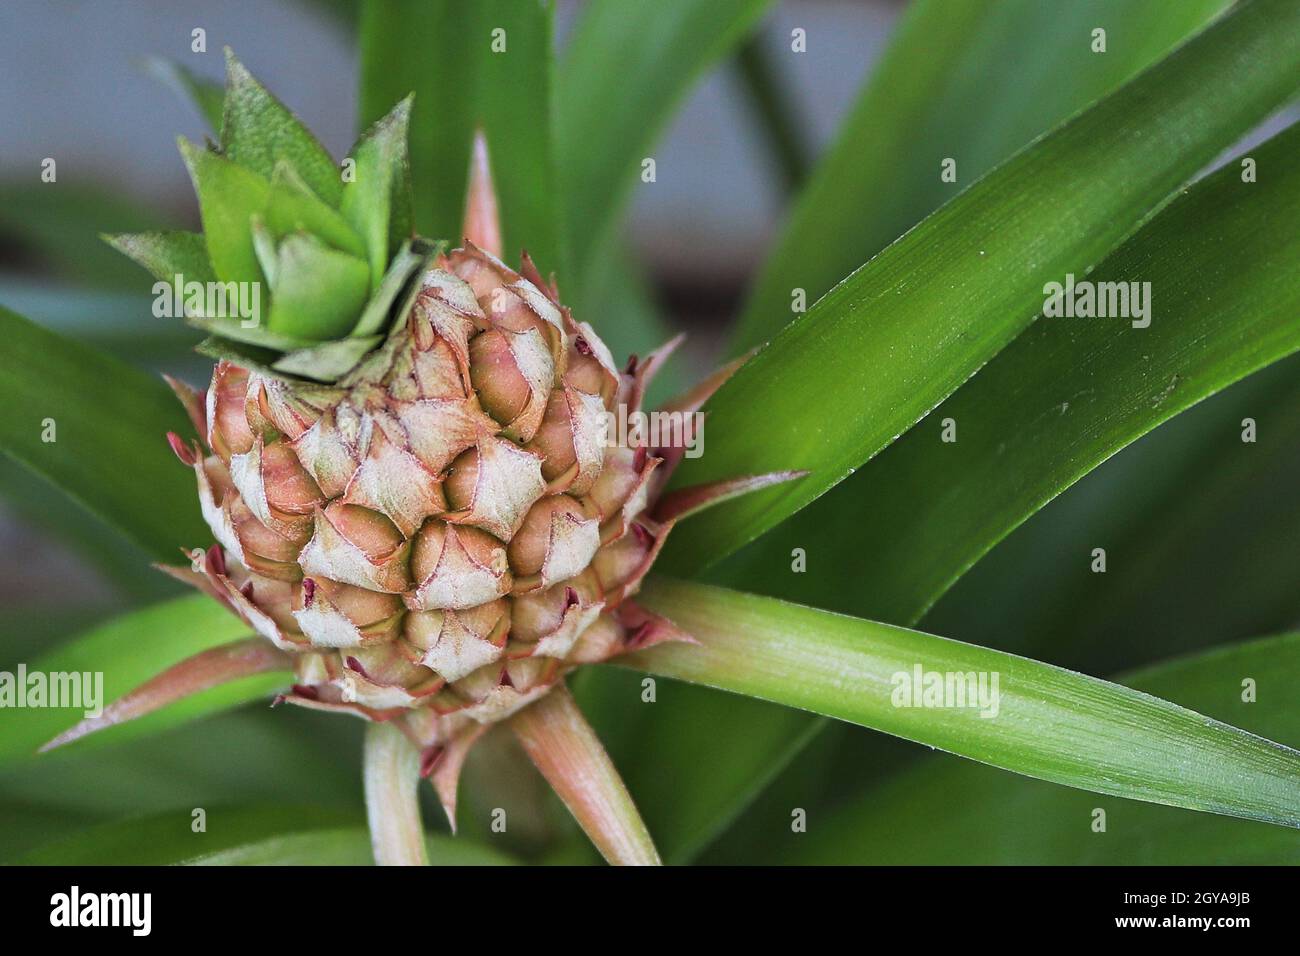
x=321 y=253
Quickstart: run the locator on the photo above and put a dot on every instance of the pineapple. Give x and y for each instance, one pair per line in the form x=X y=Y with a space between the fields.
x=404 y=459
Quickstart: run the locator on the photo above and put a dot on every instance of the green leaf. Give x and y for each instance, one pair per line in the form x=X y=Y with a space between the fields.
x=1043 y=721
x=900 y=334
x=231 y=759
x=168 y=838
x=942 y=91
x=343 y=847
x=205 y=95
x=58 y=229
x=319 y=292
x=96 y=428
x=167 y=255
x=412 y=257
x=229 y=197
x=127 y=651
x=377 y=199
x=950 y=811
x=442 y=51
x=626 y=68
x=293 y=207
x=258 y=133
x=1061 y=399
x=1174 y=511
x=34 y=502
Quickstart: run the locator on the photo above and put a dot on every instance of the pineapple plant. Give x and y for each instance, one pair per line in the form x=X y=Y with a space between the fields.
x=417 y=513
x=410 y=470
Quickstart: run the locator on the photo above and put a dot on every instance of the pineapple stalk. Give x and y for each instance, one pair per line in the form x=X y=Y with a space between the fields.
x=391 y=771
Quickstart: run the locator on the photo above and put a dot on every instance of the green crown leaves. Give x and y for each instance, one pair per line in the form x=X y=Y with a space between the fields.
x=324 y=251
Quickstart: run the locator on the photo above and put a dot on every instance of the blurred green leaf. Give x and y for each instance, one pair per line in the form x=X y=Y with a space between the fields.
x=127 y=651
x=443 y=51
x=776 y=118
x=1040 y=721
x=950 y=811
x=259 y=133
x=903 y=332
x=96 y=428
x=169 y=838
x=970 y=80
x=626 y=68
x=343 y=847
x=1061 y=399
x=255 y=754
x=56 y=228
x=37 y=503
x=616 y=294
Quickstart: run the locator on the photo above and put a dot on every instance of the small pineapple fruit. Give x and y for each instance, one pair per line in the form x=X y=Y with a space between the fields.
x=407 y=472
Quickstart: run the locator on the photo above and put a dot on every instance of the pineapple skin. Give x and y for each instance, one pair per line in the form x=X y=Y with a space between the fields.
x=445 y=532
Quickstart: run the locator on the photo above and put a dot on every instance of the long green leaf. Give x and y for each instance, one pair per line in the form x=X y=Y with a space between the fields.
x=1064 y=397
x=97 y=429
x=128 y=651
x=443 y=51
x=1039 y=720
x=968 y=80
x=903 y=332
x=949 y=811
x=606 y=126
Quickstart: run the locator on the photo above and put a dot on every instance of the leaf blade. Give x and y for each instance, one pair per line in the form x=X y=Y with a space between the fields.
x=1063 y=727
x=1060 y=400
x=128 y=651
x=603 y=129
x=1062 y=204
x=1004 y=820
x=443 y=51
x=942 y=91
x=47 y=378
